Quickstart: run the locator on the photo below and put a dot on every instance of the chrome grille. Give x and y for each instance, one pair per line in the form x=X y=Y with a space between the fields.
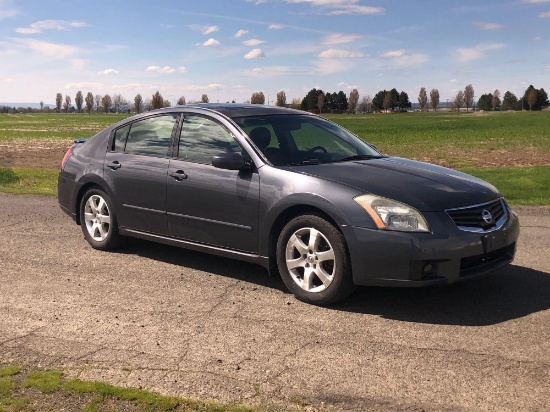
x=484 y=217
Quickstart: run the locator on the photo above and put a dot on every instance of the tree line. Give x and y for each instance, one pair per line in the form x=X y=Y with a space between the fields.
x=316 y=100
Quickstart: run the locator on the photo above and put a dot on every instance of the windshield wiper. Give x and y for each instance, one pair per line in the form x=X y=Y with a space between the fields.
x=359 y=157
x=305 y=162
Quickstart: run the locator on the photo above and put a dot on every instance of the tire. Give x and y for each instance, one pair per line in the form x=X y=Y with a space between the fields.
x=313 y=261
x=98 y=220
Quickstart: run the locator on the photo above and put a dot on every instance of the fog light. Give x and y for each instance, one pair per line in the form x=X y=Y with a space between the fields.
x=429 y=270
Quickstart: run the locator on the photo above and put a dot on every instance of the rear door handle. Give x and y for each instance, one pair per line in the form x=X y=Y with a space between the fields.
x=115 y=165
x=179 y=175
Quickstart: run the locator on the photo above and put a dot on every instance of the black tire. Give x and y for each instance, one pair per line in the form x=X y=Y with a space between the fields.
x=313 y=260
x=98 y=220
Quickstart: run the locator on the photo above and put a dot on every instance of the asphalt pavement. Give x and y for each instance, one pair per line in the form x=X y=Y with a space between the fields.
x=189 y=324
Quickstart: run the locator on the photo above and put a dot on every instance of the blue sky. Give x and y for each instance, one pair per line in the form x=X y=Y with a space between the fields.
x=229 y=49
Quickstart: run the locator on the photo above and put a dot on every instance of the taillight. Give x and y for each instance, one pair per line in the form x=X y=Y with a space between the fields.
x=69 y=152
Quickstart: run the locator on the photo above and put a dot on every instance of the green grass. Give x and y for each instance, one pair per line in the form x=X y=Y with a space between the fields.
x=519 y=185
x=467 y=141
x=28 y=181
x=412 y=133
x=54 y=126
x=20 y=390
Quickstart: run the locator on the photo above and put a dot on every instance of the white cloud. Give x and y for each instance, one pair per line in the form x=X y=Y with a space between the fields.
x=453 y=81
x=340 y=54
x=211 y=42
x=535 y=1
x=253 y=42
x=10 y=80
x=254 y=54
x=544 y=15
x=40 y=26
x=339 y=7
x=241 y=33
x=328 y=66
x=393 y=54
x=276 y=27
x=59 y=51
x=477 y=52
x=205 y=29
x=402 y=58
x=269 y=71
x=107 y=71
x=338 y=38
x=483 y=25
x=165 y=69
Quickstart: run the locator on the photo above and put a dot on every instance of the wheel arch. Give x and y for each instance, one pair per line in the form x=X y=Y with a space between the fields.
x=87 y=185
x=282 y=219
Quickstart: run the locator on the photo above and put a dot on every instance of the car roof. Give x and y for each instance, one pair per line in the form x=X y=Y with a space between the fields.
x=235 y=110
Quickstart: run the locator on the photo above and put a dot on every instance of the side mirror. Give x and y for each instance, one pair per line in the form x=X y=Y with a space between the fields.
x=231 y=161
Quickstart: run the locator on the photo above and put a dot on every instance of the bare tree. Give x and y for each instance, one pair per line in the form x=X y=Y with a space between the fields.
x=321 y=100
x=181 y=101
x=458 y=100
x=423 y=99
x=496 y=99
x=157 y=101
x=118 y=101
x=281 y=99
x=147 y=104
x=97 y=102
x=79 y=100
x=366 y=104
x=468 y=96
x=138 y=103
x=89 y=102
x=67 y=104
x=41 y=105
x=434 y=99
x=532 y=97
x=388 y=101
x=353 y=100
x=58 y=102
x=204 y=98
x=257 y=98
x=106 y=102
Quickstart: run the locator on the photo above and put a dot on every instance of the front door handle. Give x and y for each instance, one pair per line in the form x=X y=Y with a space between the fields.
x=179 y=175
x=115 y=165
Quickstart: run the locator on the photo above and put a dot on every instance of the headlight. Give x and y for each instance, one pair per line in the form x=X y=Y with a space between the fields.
x=391 y=215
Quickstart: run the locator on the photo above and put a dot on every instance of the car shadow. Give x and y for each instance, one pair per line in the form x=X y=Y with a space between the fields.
x=204 y=262
x=509 y=293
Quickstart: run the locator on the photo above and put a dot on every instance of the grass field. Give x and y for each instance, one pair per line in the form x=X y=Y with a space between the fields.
x=509 y=149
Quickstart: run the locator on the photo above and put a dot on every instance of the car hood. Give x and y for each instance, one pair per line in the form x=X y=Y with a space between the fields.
x=424 y=186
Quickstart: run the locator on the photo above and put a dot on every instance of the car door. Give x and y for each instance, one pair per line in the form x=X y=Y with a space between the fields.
x=205 y=204
x=137 y=167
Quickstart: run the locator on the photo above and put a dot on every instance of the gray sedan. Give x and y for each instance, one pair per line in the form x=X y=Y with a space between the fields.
x=290 y=191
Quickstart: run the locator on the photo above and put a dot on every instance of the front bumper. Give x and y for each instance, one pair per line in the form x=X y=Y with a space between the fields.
x=447 y=255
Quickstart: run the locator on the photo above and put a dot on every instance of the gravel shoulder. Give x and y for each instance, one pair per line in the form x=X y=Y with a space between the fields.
x=188 y=324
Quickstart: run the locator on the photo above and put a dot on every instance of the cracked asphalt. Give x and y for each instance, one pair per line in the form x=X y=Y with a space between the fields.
x=189 y=324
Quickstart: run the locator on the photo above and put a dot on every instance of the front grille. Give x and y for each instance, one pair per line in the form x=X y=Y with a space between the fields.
x=480 y=218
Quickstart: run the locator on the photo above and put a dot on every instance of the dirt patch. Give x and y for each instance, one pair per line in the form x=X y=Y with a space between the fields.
x=33 y=153
x=43 y=153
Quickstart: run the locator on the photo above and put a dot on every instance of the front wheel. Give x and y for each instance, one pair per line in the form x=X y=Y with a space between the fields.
x=98 y=220
x=313 y=260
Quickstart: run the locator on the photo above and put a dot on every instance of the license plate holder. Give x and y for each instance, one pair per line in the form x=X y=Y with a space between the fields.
x=493 y=241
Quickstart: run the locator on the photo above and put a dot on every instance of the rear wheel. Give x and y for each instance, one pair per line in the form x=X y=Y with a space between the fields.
x=98 y=220
x=313 y=260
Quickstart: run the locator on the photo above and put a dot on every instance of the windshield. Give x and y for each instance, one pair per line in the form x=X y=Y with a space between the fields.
x=303 y=139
